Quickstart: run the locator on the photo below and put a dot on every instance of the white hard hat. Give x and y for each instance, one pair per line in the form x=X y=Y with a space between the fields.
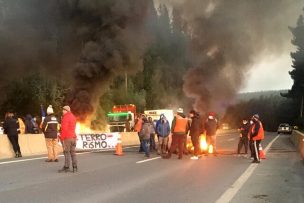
x=180 y=110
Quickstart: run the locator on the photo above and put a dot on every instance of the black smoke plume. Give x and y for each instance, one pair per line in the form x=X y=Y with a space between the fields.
x=84 y=42
x=116 y=45
x=227 y=38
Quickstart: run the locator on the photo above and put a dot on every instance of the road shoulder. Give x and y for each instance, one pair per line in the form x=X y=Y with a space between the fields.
x=279 y=178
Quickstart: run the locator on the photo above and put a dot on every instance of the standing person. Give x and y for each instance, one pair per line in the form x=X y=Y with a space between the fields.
x=11 y=128
x=50 y=127
x=68 y=137
x=196 y=129
x=144 y=135
x=137 y=128
x=128 y=125
x=211 y=126
x=257 y=135
x=244 y=130
x=152 y=135
x=180 y=128
x=29 y=127
x=251 y=141
x=163 y=131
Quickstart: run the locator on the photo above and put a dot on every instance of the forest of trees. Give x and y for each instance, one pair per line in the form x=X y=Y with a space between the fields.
x=277 y=107
x=157 y=86
x=160 y=83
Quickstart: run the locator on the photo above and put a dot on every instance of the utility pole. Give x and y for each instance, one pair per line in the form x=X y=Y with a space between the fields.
x=301 y=110
x=126 y=81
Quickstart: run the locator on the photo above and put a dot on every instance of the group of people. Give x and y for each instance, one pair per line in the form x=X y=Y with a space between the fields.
x=181 y=126
x=53 y=132
x=251 y=134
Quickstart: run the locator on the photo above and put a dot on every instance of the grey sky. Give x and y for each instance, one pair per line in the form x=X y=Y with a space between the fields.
x=270 y=70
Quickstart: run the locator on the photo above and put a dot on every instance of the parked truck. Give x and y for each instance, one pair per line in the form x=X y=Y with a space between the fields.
x=120 y=115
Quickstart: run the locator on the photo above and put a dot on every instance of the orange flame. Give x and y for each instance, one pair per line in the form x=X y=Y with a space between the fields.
x=210 y=150
x=203 y=143
x=82 y=128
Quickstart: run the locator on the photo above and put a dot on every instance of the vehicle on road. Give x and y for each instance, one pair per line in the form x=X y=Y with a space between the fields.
x=284 y=128
x=119 y=116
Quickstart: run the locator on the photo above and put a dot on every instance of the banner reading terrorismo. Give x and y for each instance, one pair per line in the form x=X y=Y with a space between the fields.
x=97 y=141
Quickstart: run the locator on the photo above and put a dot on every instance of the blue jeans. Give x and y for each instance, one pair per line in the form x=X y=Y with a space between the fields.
x=152 y=142
x=144 y=144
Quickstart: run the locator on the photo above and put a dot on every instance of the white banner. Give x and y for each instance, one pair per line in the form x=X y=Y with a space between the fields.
x=97 y=141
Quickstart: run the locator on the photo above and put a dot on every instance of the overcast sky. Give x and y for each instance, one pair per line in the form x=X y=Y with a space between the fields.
x=271 y=71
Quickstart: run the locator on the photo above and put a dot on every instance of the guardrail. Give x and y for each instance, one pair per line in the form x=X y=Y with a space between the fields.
x=297 y=138
x=34 y=144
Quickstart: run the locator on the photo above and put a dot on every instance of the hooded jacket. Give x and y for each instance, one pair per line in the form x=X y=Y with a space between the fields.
x=145 y=131
x=163 y=127
x=196 y=128
x=211 y=126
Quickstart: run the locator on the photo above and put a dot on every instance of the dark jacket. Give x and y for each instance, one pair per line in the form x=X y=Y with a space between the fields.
x=244 y=130
x=29 y=127
x=211 y=126
x=11 y=127
x=145 y=131
x=163 y=128
x=50 y=126
x=196 y=128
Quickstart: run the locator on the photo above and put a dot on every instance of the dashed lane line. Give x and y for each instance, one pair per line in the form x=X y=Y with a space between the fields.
x=146 y=160
x=229 y=194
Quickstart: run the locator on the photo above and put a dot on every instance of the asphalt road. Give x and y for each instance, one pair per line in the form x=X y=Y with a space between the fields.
x=104 y=177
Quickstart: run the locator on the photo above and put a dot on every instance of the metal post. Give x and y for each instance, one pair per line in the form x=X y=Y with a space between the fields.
x=126 y=81
x=301 y=113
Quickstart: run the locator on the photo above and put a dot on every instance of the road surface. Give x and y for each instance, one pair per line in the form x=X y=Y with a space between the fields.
x=104 y=177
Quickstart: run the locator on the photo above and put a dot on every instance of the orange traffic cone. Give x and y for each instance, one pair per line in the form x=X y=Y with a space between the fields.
x=119 y=146
x=261 y=152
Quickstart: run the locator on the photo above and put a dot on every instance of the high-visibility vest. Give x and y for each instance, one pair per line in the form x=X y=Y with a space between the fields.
x=180 y=124
x=260 y=135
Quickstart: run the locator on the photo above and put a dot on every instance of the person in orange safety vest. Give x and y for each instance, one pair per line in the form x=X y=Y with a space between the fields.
x=256 y=134
x=180 y=127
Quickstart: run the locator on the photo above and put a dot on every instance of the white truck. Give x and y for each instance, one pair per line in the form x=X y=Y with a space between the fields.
x=155 y=114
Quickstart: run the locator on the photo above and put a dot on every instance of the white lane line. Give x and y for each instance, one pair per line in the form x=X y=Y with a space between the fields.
x=229 y=194
x=22 y=160
x=231 y=139
x=45 y=157
x=146 y=160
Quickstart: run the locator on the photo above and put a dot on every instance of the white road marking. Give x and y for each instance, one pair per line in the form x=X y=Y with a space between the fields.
x=228 y=195
x=45 y=157
x=231 y=139
x=146 y=160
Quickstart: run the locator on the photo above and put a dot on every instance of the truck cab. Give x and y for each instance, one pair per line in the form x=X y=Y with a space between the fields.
x=120 y=116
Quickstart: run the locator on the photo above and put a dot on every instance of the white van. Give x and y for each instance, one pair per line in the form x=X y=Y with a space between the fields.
x=155 y=114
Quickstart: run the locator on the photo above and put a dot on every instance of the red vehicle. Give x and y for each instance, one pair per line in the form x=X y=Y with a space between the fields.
x=124 y=108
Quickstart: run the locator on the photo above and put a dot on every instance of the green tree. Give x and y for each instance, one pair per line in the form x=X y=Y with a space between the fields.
x=26 y=95
x=297 y=74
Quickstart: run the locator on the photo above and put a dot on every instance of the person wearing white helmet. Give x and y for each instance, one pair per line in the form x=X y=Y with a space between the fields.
x=180 y=128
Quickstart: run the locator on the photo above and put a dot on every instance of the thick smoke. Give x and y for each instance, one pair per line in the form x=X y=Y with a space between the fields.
x=227 y=37
x=116 y=46
x=84 y=42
